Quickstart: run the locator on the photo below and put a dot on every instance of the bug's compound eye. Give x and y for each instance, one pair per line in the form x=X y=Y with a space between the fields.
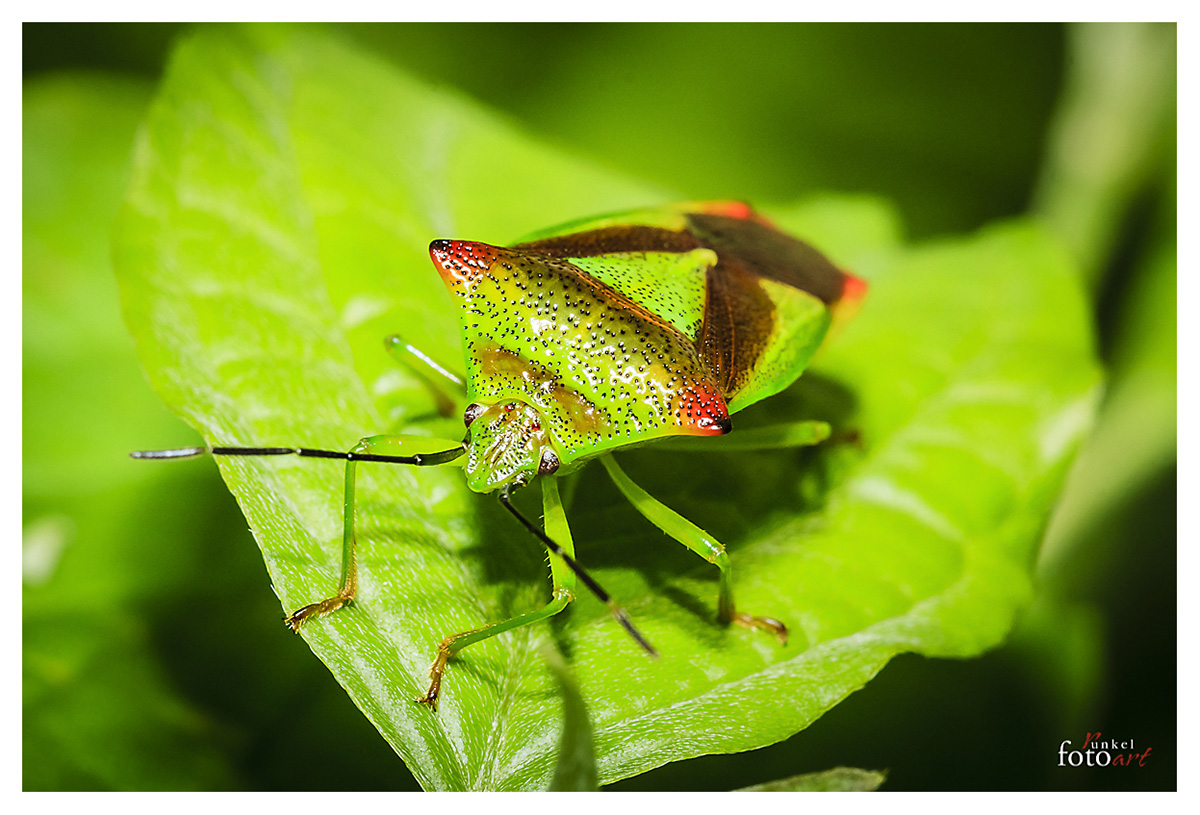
x=473 y=412
x=548 y=463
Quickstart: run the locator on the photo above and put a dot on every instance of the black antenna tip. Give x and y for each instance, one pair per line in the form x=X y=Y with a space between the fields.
x=638 y=637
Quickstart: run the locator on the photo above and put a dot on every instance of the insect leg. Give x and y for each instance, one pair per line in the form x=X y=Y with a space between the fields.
x=699 y=541
x=569 y=559
x=774 y=437
x=564 y=570
x=384 y=449
x=447 y=387
x=563 y=593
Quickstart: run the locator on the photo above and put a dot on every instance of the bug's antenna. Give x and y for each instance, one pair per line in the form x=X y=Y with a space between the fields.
x=418 y=459
x=585 y=578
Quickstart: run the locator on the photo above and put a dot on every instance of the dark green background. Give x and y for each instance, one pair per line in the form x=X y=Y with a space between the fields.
x=161 y=595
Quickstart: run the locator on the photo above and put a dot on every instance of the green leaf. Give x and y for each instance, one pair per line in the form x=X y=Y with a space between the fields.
x=839 y=779
x=101 y=535
x=285 y=190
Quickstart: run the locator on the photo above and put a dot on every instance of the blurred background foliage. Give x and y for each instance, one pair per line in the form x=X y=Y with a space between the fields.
x=153 y=657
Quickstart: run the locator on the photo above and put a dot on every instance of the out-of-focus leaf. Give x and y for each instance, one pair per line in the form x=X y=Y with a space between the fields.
x=764 y=111
x=839 y=779
x=85 y=399
x=285 y=190
x=1060 y=645
x=1100 y=640
x=1135 y=439
x=1109 y=135
x=99 y=712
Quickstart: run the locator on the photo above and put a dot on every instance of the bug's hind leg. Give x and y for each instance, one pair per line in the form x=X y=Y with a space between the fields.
x=700 y=542
x=772 y=437
x=561 y=574
x=448 y=388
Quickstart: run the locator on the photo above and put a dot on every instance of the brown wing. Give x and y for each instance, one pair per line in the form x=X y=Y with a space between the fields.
x=767 y=252
x=612 y=239
x=739 y=318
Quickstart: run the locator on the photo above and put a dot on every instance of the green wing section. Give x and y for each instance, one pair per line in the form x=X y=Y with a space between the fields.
x=670 y=285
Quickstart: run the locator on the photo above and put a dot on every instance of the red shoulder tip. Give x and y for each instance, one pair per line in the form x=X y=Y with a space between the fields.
x=734 y=209
x=730 y=209
x=702 y=411
x=461 y=261
x=854 y=289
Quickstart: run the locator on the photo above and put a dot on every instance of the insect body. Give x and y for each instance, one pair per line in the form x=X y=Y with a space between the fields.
x=603 y=334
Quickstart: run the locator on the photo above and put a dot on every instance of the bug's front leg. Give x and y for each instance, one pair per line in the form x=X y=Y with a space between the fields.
x=700 y=542
x=419 y=451
x=398 y=449
x=349 y=582
x=561 y=574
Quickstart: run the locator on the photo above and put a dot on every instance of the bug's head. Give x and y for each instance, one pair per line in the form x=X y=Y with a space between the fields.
x=506 y=444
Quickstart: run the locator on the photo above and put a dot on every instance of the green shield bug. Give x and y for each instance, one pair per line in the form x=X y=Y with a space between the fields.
x=598 y=335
